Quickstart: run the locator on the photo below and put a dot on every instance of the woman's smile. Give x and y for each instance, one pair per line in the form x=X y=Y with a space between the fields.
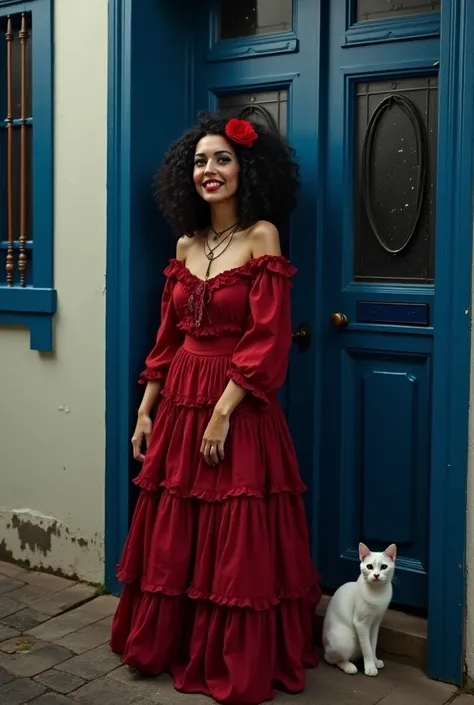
x=212 y=185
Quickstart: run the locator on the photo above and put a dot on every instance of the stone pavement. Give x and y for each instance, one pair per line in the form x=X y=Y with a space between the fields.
x=53 y=651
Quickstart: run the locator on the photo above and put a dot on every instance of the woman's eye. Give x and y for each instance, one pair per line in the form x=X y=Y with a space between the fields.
x=224 y=160
x=199 y=163
x=370 y=566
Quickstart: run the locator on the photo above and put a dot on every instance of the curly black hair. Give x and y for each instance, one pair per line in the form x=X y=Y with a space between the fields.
x=268 y=179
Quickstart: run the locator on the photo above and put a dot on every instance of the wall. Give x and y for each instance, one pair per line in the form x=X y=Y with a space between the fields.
x=52 y=430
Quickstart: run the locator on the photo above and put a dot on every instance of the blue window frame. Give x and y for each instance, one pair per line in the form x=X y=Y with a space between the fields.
x=257 y=45
x=389 y=29
x=27 y=294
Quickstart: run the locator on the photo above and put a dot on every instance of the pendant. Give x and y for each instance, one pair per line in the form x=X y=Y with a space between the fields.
x=208 y=268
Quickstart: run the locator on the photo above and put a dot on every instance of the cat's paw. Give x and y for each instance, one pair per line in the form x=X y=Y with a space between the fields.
x=379 y=664
x=371 y=670
x=348 y=668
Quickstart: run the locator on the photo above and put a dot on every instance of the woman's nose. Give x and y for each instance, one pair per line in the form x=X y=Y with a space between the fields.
x=209 y=168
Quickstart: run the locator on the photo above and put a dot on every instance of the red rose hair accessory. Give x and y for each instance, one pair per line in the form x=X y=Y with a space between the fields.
x=241 y=132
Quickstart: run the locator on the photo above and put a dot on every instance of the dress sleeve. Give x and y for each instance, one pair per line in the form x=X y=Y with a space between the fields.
x=260 y=360
x=168 y=339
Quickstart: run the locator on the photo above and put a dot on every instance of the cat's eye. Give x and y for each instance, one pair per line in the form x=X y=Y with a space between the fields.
x=370 y=566
x=383 y=567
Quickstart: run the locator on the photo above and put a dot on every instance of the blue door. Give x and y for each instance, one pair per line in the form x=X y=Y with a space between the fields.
x=354 y=86
x=260 y=58
x=377 y=296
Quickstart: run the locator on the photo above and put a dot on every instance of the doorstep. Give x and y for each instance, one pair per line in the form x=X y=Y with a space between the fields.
x=402 y=637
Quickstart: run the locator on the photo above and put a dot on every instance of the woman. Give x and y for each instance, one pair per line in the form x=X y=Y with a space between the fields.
x=219 y=586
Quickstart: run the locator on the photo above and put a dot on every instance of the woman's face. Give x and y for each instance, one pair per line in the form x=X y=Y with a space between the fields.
x=216 y=169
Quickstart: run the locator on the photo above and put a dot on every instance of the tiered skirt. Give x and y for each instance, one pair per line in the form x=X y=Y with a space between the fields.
x=219 y=587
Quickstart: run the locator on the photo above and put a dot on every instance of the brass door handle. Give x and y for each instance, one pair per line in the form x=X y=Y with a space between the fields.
x=339 y=320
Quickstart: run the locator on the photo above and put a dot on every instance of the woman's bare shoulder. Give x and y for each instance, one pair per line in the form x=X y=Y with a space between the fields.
x=183 y=246
x=264 y=239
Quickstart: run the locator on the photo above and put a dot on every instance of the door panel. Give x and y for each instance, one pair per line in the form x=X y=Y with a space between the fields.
x=274 y=78
x=378 y=264
x=384 y=438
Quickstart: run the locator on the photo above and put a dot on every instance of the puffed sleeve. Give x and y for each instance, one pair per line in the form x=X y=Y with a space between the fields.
x=260 y=360
x=168 y=339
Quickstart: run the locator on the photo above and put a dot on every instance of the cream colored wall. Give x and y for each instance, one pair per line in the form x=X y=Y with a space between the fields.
x=53 y=405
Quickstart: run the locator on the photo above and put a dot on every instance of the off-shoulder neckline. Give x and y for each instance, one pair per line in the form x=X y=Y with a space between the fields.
x=248 y=268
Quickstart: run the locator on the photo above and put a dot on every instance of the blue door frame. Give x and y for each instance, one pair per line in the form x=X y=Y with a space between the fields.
x=136 y=107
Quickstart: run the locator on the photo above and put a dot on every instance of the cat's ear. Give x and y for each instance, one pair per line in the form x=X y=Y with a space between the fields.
x=391 y=552
x=364 y=551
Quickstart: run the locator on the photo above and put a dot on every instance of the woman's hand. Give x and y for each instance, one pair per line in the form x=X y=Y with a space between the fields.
x=212 y=446
x=142 y=433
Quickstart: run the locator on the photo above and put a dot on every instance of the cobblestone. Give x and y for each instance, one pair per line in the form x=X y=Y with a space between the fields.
x=54 y=651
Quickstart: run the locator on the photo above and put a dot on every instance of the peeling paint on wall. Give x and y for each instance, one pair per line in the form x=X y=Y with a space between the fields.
x=44 y=542
x=5 y=554
x=34 y=536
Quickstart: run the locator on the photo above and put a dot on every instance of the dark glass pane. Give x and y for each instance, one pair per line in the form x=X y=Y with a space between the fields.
x=387 y=9
x=267 y=107
x=395 y=184
x=16 y=66
x=16 y=182
x=247 y=18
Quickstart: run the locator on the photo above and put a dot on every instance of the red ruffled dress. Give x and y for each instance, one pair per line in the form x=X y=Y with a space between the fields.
x=220 y=589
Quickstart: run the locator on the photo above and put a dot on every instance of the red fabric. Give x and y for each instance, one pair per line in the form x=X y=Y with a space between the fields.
x=259 y=362
x=219 y=588
x=168 y=339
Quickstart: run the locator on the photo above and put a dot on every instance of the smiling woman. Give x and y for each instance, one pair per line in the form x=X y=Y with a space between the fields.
x=220 y=590
x=266 y=191
x=216 y=168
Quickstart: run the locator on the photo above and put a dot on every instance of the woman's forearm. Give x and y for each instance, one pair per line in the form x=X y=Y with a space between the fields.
x=230 y=399
x=150 y=397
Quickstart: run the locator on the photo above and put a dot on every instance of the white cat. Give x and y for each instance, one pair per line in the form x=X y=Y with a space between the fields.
x=352 y=620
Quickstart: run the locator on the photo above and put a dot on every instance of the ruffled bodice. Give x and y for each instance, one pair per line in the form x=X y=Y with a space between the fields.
x=226 y=296
x=249 y=304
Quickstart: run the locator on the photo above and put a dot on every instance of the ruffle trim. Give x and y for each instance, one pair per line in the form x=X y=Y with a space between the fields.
x=255 y=603
x=151 y=376
x=258 y=604
x=198 y=402
x=276 y=264
x=210 y=330
x=241 y=381
x=208 y=495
